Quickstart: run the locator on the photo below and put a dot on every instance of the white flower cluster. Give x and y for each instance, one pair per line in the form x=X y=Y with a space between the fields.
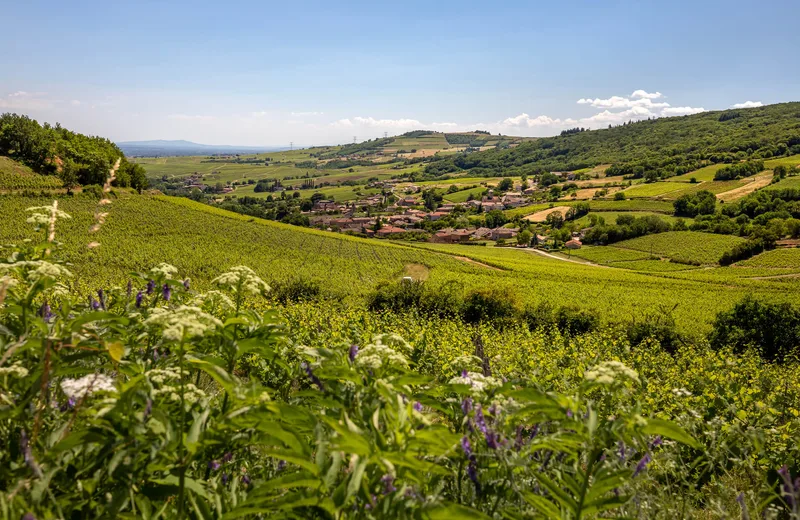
x=182 y=322
x=87 y=385
x=15 y=370
x=38 y=269
x=609 y=372
x=465 y=362
x=681 y=392
x=213 y=301
x=383 y=351
x=479 y=382
x=42 y=215
x=165 y=270
x=159 y=376
x=242 y=278
x=191 y=394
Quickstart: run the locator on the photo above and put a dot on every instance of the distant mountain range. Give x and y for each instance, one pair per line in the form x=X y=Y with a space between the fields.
x=160 y=148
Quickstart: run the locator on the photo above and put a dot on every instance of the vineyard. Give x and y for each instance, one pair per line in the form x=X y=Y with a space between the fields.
x=777 y=258
x=684 y=246
x=17 y=177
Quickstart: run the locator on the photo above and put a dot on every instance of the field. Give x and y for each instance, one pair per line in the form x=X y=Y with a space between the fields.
x=703 y=174
x=609 y=254
x=610 y=217
x=787 y=183
x=777 y=258
x=684 y=246
x=15 y=176
x=202 y=241
x=463 y=195
x=792 y=160
x=651 y=189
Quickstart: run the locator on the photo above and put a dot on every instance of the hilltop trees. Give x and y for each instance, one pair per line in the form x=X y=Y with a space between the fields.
x=701 y=203
x=76 y=158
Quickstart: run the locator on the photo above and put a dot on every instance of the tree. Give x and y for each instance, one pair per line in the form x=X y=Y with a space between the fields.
x=524 y=238
x=505 y=184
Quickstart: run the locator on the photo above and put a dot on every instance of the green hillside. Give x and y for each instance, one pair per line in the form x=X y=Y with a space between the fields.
x=668 y=146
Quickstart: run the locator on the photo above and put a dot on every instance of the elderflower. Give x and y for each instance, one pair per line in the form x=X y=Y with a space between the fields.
x=42 y=215
x=159 y=375
x=191 y=394
x=213 y=301
x=182 y=322
x=242 y=278
x=164 y=270
x=479 y=382
x=15 y=370
x=608 y=372
x=38 y=269
x=87 y=385
x=382 y=352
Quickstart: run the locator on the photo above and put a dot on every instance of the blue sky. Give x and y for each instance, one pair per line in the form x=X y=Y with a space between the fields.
x=264 y=73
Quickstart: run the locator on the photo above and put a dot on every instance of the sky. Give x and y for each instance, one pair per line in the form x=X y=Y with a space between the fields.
x=260 y=73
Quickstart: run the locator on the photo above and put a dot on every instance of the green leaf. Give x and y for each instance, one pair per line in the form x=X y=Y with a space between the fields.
x=454 y=511
x=219 y=374
x=116 y=350
x=544 y=506
x=356 y=476
x=670 y=430
x=566 y=501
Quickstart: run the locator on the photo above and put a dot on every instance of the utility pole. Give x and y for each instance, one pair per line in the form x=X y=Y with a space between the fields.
x=291 y=145
x=385 y=135
x=354 y=139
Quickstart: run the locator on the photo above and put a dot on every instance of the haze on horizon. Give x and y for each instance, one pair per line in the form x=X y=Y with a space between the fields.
x=262 y=74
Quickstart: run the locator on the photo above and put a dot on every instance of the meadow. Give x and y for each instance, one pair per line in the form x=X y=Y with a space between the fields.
x=684 y=246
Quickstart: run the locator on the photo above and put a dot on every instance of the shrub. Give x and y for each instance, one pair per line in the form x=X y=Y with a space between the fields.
x=772 y=329
x=495 y=304
x=300 y=290
x=568 y=320
x=745 y=250
x=659 y=326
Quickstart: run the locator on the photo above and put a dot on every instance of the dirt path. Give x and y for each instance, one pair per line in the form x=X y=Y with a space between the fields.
x=471 y=261
x=548 y=255
x=760 y=180
x=774 y=276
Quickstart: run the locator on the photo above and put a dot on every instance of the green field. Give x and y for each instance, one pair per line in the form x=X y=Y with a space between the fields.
x=651 y=189
x=787 y=183
x=609 y=254
x=777 y=258
x=16 y=176
x=610 y=217
x=792 y=160
x=703 y=174
x=684 y=246
x=463 y=195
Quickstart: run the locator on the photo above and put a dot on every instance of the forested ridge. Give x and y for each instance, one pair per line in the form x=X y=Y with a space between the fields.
x=77 y=159
x=658 y=148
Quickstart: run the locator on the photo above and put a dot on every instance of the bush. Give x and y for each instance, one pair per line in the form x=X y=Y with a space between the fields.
x=405 y=295
x=568 y=320
x=495 y=304
x=659 y=326
x=772 y=329
x=745 y=250
x=301 y=290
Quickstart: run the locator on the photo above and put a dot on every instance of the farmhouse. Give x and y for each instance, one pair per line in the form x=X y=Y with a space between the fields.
x=386 y=231
x=504 y=233
x=452 y=236
x=573 y=244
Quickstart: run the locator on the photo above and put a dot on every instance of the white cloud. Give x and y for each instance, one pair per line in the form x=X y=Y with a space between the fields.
x=75 y=103
x=681 y=111
x=306 y=114
x=22 y=100
x=644 y=94
x=748 y=104
x=623 y=102
x=524 y=120
x=372 y=123
x=261 y=113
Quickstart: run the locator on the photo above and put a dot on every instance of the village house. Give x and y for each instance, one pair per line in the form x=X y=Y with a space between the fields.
x=436 y=215
x=490 y=206
x=482 y=233
x=407 y=202
x=573 y=244
x=503 y=233
x=386 y=231
x=513 y=200
x=325 y=205
x=452 y=236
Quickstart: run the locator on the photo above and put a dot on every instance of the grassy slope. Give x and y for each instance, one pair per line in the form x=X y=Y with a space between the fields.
x=17 y=176
x=142 y=231
x=685 y=246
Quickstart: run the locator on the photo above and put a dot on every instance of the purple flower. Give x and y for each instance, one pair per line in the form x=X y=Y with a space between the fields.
x=464 y=374
x=472 y=472
x=479 y=420
x=94 y=304
x=569 y=413
x=281 y=465
x=519 y=442
x=166 y=292
x=245 y=480
x=186 y=284
x=418 y=406
x=743 y=505
x=227 y=457
x=213 y=465
x=151 y=286
x=28 y=516
x=27 y=454
x=642 y=465
x=101 y=297
x=534 y=431
x=155 y=354
x=129 y=289
x=224 y=478
x=789 y=490
x=466 y=405
x=388 y=484
x=45 y=312
x=148 y=408
x=353 y=352
x=310 y=373
x=656 y=442
x=139 y=298
x=465 y=445
x=621 y=451
x=491 y=440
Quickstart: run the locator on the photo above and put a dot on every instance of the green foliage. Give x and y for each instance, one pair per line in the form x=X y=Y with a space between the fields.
x=773 y=330
x=736 y=171
x=691 y=205
x=76 y=158
x=745 y=250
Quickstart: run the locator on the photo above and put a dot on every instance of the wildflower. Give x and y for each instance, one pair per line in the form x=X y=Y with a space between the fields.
x=642 y=465
x=151 y=286
x=388 y=484
x=353 y=352
x=182 y=322
x=472 y=472
x=129 y=289
x=534 y=431
x=139 y=298
x=15 y=370
x=148 y=408
x=621 y=451
x=465 y=445
x=213 y=465
x=245 y=480
x=28 y=516
x=743 y=505
x=27 y=454
x=384 y=351
x=227 y=457
x=519 y=442
x=166 y=292
x=479 y=420
x=94 y=304
x=656 y=442
x=491 y=440
x=155 y=354
x=242 y=279
x=101 y=298
x=609 y=372
x=281 y=465
x=569 y=413
x=310 y=373
x=45 y=312
x=87 y=385
x=163 y=270
x=42 y=215
x=224 y=478
x=186 y=284
x=418 y=406
x=466 y=405
x=789 y=491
